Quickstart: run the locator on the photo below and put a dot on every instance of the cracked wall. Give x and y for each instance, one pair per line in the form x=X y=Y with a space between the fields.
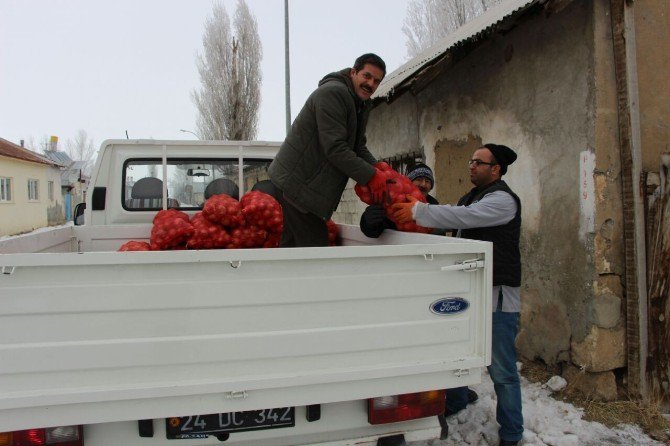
x=545 y=89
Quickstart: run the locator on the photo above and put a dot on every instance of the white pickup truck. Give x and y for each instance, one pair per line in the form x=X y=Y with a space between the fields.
x=344 y=345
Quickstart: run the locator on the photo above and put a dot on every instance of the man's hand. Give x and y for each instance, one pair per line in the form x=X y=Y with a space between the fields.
x=402 y=212
x=383 y=166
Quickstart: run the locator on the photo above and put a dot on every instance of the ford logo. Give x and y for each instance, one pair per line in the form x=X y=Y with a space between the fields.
x=450 y=305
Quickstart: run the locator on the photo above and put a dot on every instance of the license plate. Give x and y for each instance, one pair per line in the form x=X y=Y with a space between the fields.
x=201 y=426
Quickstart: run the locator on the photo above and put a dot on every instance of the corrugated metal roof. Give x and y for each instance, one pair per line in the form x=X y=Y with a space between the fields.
x=61 y=158
x=11 y=150
x=481 y=24
x=74 y=173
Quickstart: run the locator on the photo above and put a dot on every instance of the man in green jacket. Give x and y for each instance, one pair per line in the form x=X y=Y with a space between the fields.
x=324 y=148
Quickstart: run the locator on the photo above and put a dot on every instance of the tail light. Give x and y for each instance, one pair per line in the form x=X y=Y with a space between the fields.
x=394 y=408
x=60 y=436
x=6 y=439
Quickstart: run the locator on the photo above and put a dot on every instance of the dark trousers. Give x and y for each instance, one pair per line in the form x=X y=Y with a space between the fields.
x=301 y=229
x=504 y=374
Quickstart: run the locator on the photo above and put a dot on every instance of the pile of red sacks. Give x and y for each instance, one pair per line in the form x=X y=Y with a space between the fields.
x=256 y=221
x=395 y=190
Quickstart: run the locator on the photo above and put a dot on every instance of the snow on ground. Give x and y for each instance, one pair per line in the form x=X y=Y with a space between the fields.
x=547 y=422
x=44 y=229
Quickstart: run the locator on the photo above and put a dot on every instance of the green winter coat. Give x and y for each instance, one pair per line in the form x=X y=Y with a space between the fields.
x=324 y=148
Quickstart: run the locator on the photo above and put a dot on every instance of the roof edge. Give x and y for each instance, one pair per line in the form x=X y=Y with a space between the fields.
x=479 y=24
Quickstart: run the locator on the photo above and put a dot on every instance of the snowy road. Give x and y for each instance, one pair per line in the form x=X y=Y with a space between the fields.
x=548 y=422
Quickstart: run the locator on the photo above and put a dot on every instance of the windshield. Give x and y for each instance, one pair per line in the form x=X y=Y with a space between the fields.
x=189 y=182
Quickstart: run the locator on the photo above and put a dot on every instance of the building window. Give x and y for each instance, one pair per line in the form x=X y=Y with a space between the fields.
x=401 y=163
x=5 y=189
x=33 y=190
x=51 y=190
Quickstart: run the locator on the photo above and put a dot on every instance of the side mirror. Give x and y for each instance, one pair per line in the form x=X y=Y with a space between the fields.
x=79 y=214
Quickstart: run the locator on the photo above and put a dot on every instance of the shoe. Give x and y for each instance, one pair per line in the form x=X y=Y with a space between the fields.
x=507 y=443
x=472 y=397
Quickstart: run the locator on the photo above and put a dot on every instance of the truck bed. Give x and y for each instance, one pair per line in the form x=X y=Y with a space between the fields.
x=90 y=335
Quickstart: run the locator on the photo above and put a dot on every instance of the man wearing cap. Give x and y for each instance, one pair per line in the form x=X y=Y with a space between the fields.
x=489 y=212
x=422 y=177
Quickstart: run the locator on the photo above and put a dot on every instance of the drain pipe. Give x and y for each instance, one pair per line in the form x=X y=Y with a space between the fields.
x=625 y=66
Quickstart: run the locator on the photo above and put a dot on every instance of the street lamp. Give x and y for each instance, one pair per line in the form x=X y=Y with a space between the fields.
x=189 y=131
x=287 y=69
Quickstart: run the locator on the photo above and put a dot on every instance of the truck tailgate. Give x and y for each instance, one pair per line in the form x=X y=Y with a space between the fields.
x=106 y=336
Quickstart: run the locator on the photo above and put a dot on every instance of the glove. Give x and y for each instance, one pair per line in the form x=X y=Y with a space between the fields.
x=373 y=221
x=402 y=212
x=374 y=215
x=377 y=185
x=383 y=166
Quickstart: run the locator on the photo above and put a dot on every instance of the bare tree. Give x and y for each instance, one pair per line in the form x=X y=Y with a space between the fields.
x=82 y=148
x=428 y=21
x=41 y=145
x=229 y=98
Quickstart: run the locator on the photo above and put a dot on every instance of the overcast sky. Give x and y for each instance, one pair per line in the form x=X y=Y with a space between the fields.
x=116 y=65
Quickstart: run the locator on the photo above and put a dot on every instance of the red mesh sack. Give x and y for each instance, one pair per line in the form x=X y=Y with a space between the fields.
x=272 y=240
x=364 y=193
x=262 y=210
x=170 y=233
x=224 y=210
x=134 y=245
x=383 y=166
x=247 y=237
x=207 y=235
x=170 y=213
x=333 y=233
x=397 y=188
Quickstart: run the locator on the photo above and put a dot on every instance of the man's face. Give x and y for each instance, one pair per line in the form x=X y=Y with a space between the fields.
x=366 y=80
x=423 y=184
x=482 y=172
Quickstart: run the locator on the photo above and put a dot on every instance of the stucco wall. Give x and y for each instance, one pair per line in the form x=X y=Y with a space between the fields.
x=533 y=89
x=21 y=215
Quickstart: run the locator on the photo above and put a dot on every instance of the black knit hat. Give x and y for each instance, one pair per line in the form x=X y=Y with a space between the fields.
x=503 y=155
x=421 y=170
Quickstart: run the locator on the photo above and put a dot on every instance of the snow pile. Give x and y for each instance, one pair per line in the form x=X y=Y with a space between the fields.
x=547 y=422
x=557 y=383
x=44 y=229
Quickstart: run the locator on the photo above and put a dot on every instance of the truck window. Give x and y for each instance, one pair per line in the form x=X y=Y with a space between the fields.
x=189 y=182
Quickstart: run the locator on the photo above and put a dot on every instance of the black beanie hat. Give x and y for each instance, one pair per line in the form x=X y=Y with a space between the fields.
x=503 y=155
x=421 y=170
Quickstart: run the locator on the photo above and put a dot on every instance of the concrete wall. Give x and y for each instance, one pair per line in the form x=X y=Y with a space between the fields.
x=535 y=89
x=21 y=215
x=603 y=349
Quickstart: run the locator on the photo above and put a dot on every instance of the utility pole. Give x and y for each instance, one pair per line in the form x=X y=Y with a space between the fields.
x=287 y=70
